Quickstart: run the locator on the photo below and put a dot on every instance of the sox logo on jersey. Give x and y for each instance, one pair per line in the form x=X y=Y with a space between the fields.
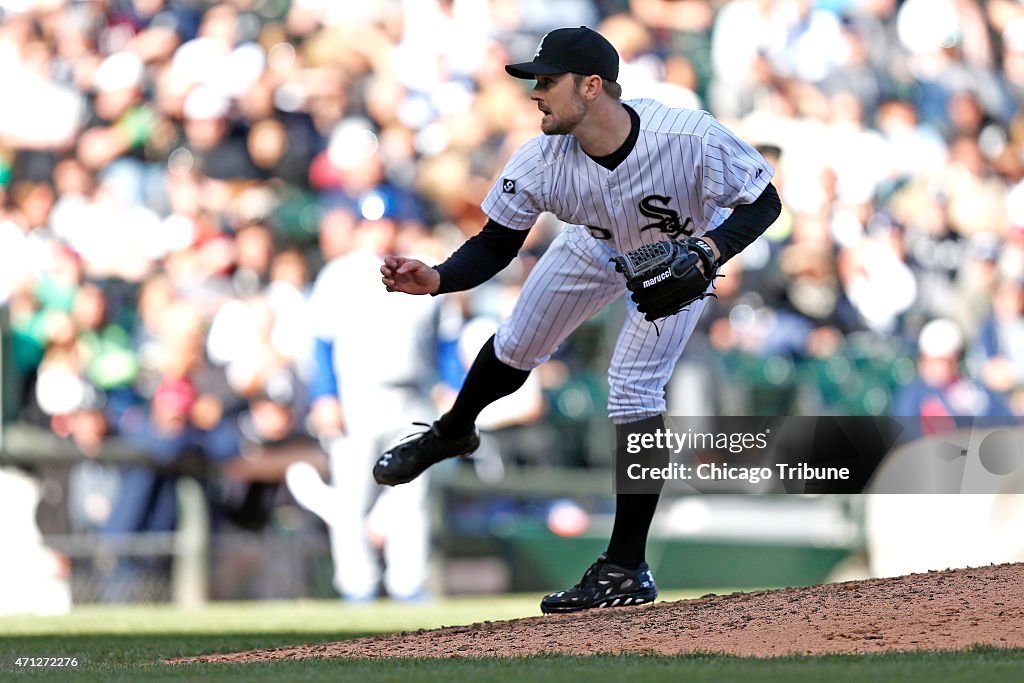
x=668 y=218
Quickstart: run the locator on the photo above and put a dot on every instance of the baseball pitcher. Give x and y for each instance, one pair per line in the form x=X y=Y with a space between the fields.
x=656 y=199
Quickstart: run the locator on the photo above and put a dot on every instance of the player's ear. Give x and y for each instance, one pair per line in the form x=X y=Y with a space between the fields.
x=591 y=87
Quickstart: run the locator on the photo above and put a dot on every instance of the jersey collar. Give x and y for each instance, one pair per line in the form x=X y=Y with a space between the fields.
x=611 y=161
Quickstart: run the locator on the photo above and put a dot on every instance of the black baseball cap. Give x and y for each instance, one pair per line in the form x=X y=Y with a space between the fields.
x=571 y=50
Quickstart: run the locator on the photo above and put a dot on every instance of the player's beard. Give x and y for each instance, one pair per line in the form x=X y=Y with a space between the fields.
x=563 y=125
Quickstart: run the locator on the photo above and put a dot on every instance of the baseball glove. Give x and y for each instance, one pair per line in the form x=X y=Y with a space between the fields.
x=665 y=278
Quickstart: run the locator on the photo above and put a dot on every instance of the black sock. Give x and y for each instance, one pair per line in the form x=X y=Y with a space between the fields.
x=633 y=511
x=488 y=380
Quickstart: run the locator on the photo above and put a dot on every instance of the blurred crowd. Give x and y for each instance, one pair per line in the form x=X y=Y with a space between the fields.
x=174 y=174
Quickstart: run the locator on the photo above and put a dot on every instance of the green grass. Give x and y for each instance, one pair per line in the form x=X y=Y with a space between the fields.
x=283 y=617
x=130 y=644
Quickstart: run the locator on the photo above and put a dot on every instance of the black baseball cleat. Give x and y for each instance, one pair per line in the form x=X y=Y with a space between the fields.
x=604 y=585
x=409 y=459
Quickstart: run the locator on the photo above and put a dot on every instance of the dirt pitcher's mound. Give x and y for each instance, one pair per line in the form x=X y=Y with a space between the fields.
x=947 y=610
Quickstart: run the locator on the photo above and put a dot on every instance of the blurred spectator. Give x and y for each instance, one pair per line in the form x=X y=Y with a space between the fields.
x=949 y=51
x=999 y=349
x=218 y=146
x=350 y=173
x=814 y=44
x=642 y=73
x=288 y=295
x=915 y=148
x=941 y=392
x=272 y=436
x=184 y=429
x=1013 y=57
x=746 y=35
x=858 y=75
x=109 y=361
x=684 y=30
x=875 y=280
x=49 y=111
x=122 y=123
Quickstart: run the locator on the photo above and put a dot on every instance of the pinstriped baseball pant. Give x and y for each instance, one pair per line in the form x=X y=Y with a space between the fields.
x=572 y=281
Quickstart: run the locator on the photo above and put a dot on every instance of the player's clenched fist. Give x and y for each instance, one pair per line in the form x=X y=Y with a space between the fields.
x=409 y=276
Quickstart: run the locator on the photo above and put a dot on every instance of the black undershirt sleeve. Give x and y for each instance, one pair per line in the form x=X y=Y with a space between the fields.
x=746 y=223
x=480 y=258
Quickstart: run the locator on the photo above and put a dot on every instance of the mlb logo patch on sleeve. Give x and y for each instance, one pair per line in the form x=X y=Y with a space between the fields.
x=508 y=186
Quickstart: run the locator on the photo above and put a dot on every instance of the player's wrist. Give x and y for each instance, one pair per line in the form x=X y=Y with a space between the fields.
x=714 y=247
x=435 y=284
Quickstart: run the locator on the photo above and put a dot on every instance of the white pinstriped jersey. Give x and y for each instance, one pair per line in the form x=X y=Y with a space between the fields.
x=683 y=177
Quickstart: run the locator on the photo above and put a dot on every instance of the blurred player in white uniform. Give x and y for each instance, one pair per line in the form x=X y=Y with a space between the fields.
x=367 y=387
